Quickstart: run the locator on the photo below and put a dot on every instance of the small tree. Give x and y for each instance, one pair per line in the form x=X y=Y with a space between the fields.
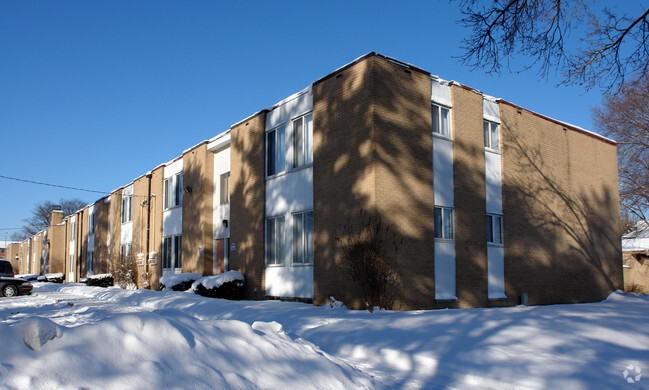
x=370 y=254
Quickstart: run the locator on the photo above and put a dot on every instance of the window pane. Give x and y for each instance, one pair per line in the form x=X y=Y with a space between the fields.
x=298 y=243
x=495 y=138
x=281 y=150
x=179 y=251
x=298 y=145
x=309 y=138
x=270 y=153
x=281 y=241
x=178 y=200
x=486 y=135
x=490 y=235
x=498 y=230
x=225 y=188
x=436 y=127
x=270 y=241
x=308 y=237
x=166 y=194
x=444 y=122
x=438 y=222
x=448 y=224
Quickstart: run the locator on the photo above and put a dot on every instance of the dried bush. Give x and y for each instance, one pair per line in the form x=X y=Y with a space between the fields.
x=634 y=288
x=370 y=255
x=124 y=271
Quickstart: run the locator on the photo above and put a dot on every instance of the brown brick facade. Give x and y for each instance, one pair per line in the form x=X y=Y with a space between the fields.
x=561 y=207
x=198 y=174
x=247 y=204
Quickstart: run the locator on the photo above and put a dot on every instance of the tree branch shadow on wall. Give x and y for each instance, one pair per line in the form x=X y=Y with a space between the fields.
x=567 y=234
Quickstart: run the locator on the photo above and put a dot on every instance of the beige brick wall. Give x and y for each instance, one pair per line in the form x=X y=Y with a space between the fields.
x=247 y=204
x=561 y=211
x=102 y=211
x=343 y=172
x=155 y=229
x=470 y=201
x=403 y=165
x=115 y=225
x=198 y=173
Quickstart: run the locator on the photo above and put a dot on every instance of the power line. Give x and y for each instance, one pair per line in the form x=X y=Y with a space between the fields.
x=52 y=185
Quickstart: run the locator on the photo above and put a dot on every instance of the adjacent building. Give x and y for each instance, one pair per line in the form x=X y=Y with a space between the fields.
x=489 y=201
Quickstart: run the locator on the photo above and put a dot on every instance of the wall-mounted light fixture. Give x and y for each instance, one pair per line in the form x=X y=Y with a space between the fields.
x=225 y=223
x=188 y=189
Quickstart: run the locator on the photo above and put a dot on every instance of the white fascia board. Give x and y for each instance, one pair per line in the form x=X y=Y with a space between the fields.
x=220 y=142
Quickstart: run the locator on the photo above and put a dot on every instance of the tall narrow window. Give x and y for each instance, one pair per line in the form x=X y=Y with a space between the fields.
x=494 y=229
x=167 y=193
x=275 y=151
x=166 y=252
x=303 y=238
x=91 y=223
x=178 y=252
x=441 y=122
x=275 y=240
x=225 y=188
x=173 y=191
x=444 y=226
x=491 y=135
x=127 y=208
x=73 y=231
x=178 y=189
x=303 y=141
x=172 y=252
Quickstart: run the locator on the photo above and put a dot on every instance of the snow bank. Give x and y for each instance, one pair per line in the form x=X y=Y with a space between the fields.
x=119 y=339
x=211 y=282
x=170 y=349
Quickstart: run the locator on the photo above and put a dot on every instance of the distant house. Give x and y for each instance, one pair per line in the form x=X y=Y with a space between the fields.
x=635 y=250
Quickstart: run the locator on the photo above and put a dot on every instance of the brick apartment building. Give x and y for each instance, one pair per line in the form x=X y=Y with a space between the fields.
x=491 y=201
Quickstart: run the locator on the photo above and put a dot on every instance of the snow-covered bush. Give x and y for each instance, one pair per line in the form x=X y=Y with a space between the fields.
x=28 y=276
x=178 y=282
x=101 y=280
x=52 y=278
x=228 y=285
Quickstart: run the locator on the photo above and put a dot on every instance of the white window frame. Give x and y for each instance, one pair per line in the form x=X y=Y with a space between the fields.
x=446 y=220
x=279 y=156
x=173 y=191
x=127 y=208
x=489 y=129
x=275 y=245
x=494 y=230
x=437 y=121
x=303 y=140
x=299 y=251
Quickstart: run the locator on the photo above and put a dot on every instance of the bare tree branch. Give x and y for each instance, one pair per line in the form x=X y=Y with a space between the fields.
x=614 y=47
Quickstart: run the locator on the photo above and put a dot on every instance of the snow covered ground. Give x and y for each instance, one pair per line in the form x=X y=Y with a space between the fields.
x=76 y=337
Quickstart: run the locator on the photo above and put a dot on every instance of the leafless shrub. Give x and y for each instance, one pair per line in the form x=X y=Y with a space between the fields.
x=370 y=254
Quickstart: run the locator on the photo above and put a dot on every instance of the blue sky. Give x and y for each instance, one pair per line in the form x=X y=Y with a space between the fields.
x=95 y=93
